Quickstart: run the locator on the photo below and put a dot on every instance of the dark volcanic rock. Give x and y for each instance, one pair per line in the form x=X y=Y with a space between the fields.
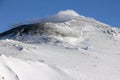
x=31 y=29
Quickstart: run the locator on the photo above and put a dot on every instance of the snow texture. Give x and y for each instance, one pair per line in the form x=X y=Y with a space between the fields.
x=73 y=48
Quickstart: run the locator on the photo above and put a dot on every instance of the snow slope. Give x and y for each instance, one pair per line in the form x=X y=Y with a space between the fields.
x=65 y=46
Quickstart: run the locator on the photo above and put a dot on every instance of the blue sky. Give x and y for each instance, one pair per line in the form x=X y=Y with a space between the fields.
x=20 y=11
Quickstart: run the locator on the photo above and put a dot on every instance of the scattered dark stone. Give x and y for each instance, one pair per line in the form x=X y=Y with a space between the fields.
x=3 y=78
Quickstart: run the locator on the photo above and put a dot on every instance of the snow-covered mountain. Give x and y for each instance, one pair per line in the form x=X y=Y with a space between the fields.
x=64 y=46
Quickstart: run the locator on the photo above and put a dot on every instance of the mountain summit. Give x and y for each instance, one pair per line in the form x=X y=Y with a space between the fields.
x=64 y=24
x=64 y=46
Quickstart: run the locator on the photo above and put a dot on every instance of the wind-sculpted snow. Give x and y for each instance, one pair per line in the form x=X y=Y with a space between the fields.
x=16 y=69
x=65 y=46
x=52 y=62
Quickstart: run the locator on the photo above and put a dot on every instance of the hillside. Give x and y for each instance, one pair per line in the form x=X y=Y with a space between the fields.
x=64 y=46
